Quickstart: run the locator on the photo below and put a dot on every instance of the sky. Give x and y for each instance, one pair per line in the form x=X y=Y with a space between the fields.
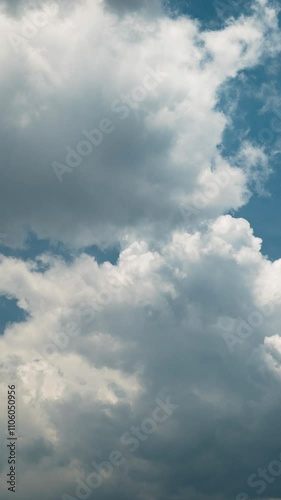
x=140 y=248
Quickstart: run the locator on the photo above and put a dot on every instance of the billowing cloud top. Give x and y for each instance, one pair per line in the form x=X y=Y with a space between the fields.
x=167 y=365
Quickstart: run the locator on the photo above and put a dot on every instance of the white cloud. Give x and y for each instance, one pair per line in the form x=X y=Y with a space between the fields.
x=117 y=362
x=65 y=83
x=101 y=342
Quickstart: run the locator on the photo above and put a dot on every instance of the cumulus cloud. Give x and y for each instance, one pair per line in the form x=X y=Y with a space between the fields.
x=157 y=80
x=123 y=335
x=103 y=344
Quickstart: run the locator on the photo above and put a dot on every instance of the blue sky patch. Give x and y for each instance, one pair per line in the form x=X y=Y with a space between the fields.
x=34 y=247
x=10 y=312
